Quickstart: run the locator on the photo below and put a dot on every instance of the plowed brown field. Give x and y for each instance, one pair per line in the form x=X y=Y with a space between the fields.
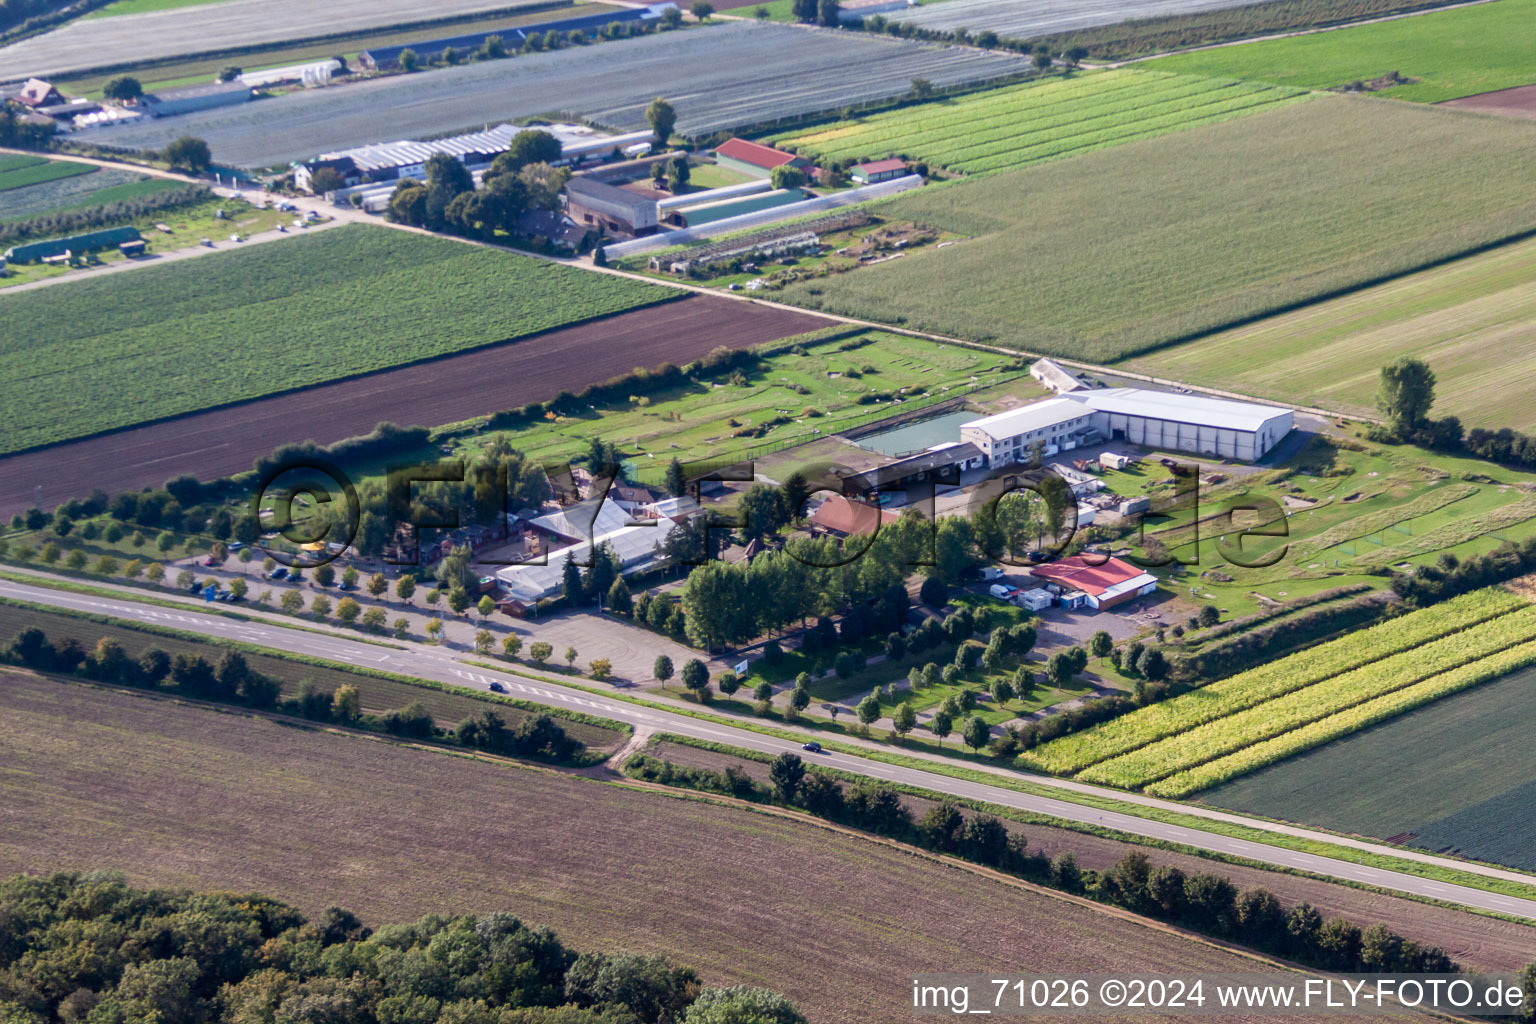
x=224 y=441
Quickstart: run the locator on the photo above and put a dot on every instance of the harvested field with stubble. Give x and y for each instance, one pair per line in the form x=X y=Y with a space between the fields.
x=1474 y=940
x=242 y=324
x=224 y=441
x=1117 y=252
x=183 y=796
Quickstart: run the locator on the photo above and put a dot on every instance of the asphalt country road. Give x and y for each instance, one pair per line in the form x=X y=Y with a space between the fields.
x=438 y=664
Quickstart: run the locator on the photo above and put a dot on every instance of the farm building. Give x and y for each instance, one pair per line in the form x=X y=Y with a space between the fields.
x=383 y=58
x=615 y=210
x=732 y=206
x=91 y=241
x=1053 y=377
x=1187 y=423
x=879 y=170
x=313 y=74
x=1156 y=419
x=36 y=93
x=1079 y=582
x=845 y=517
x=936 y=463
x=391 y=161
x=191 y=98
x=755 y=159
x=1056 y=424
x=573 y=533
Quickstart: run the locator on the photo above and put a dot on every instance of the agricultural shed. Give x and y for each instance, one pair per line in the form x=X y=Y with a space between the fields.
x=1102 y=586
x=192 y=98
x=720 y=209
x=88 y=242
x=1187 y=423
x=594 y=203
x=754 y=158
x=878 y=170
x=937 y=461
x=1051 y=374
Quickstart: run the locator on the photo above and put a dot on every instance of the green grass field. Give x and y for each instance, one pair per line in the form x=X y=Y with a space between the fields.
x=819 y=391
x=1448 y=54
x=145 y=6
x=1023 y=125
x=21 y=171
x=1470 y=320
x=1411 y=775
x=1116 y=252
x=107 y=353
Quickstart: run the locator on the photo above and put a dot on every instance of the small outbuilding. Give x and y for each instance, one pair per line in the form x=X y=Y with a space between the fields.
x=879 y=170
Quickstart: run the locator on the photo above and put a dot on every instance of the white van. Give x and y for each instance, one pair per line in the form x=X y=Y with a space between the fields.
x=990 y=573
x=1003 y=591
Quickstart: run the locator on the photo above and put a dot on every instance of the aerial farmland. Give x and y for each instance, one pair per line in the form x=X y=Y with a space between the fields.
x=764 y=511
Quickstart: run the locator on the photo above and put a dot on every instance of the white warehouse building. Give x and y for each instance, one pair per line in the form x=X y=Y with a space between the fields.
x=1155 y=419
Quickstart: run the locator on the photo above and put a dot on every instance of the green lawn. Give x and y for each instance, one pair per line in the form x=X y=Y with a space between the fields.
x=1018 y=126
x=1448 y=54
x=111 y=352
x=1470 y=320
x=1120 y=251
x=829 y=387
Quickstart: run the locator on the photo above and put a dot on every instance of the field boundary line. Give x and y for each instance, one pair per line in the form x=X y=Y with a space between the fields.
x=1295 y=32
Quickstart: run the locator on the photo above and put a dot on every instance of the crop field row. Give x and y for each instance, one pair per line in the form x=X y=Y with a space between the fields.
x=1071 y=754
x=153 y=35
x=1019 y=126
x=1470 y=319
x=37 y=172
x=1356 y=191
x=1308 y=704
x=1346 y=721
x=80 y=190
x=1441 y=55
x=795 y=73
x=252 y=322
x=1028 y=19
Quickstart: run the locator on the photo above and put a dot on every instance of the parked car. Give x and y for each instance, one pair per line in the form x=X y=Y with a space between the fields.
x=210 y=561
x=812 y=746
x=236 y=545
x=281 y=572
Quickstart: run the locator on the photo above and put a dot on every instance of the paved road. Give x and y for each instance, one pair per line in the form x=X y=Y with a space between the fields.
x=439 y=665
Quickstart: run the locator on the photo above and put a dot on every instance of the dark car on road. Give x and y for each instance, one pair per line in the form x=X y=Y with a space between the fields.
x=812 y=746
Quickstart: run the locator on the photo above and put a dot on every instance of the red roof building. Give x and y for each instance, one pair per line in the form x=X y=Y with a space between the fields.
x=1102 y=586
x=838 y=515
x=753 y=158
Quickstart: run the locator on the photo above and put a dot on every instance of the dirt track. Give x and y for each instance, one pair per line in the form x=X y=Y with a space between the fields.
x=224 y=441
